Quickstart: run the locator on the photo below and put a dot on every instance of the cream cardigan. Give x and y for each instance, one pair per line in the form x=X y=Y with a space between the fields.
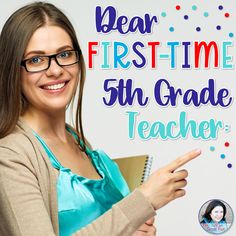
x=28 y=196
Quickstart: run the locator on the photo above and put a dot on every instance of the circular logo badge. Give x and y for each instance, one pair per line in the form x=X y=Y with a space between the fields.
x=216 y=216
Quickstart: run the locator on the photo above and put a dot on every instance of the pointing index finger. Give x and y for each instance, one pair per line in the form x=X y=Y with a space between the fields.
x=183 y=160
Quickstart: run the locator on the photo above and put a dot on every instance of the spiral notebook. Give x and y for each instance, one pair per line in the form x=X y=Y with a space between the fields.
x=135 y=169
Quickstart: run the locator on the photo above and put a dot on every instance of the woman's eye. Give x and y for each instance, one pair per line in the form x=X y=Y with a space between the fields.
x=64 y=54
x=35 y=60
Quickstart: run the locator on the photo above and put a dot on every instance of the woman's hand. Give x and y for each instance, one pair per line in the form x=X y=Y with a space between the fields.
x=147 y=229
x=165 y=185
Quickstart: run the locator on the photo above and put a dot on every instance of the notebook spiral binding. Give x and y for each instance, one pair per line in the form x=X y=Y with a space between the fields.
x=147 y=168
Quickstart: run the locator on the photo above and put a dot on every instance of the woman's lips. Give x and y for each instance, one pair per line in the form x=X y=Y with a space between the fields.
x=54 y=88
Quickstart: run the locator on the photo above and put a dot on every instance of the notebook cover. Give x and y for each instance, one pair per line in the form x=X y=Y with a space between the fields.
x=132 y=168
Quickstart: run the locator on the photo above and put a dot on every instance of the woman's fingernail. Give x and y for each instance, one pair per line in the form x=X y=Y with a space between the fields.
x=198 y=151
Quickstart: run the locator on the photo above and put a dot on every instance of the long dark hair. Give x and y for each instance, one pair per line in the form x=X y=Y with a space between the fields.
x=14 y=38
x=211 y=206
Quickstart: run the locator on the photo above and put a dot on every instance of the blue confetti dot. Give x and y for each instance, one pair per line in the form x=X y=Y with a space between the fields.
x=212 y=148
x=186 y=17
x=220 y=7
x=231 y=35
x=163 y=14
x=171 y=29
x=198 y=29
x=194 y=7
x=222 y=156
x=218 y=27
x=206 y=14
x=229 y=165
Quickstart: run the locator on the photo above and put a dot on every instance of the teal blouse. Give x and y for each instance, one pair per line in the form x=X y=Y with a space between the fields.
x=82 y=200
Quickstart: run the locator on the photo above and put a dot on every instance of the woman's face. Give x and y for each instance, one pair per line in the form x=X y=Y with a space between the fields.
x=217 y=213
x=52 y=89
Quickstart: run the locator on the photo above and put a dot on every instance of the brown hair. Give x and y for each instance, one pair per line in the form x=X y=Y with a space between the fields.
x=14 y=38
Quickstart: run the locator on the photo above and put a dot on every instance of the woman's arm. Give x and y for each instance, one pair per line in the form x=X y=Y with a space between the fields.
x=123 y=219
x=23 y=211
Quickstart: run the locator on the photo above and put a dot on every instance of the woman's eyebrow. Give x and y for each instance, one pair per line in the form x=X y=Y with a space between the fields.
x=64 y=47
x=34 y=52
x=43 y=52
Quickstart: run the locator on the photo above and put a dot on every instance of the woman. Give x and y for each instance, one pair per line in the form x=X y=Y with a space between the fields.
x=214 y=218
x=51 y=182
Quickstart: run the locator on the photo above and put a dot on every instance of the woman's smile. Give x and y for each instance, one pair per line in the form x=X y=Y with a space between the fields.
x=55 y=87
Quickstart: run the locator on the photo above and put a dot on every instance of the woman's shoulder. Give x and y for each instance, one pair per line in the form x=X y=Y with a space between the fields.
x=204 y=221
x=18 y=141
x=15 y=138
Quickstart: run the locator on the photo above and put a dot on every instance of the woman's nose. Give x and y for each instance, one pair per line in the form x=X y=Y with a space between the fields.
x=54 y=69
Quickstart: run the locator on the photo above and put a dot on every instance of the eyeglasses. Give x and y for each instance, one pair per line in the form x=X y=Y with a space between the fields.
x=40 y=63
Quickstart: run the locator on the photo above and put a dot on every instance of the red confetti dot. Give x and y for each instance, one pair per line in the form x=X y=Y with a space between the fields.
x=226 y=14
x=177 y=7
x=227 y=144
